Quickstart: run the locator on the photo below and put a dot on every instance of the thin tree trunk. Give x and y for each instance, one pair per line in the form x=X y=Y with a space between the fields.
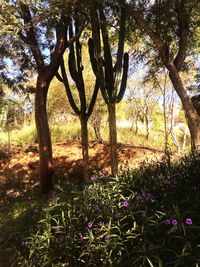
x=97 y=132
x=113 y=138
x=84 y=140
x=136 y=127
x=147 y=127
x=146 y=119
x=44 y=138
x=165 y=115
x=8 y=130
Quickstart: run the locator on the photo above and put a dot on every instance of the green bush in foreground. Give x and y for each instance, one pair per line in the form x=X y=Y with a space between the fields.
x=145 y=217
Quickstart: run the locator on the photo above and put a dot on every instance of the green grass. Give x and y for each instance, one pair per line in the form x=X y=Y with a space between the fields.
x=72 y=131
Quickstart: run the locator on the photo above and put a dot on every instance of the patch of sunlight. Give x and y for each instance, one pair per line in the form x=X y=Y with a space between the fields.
x=18 y=212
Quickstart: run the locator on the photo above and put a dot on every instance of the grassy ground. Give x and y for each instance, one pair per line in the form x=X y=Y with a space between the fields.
x=61 y=133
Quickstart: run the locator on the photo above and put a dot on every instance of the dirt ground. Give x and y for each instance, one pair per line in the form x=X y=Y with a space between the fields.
x=24 y=162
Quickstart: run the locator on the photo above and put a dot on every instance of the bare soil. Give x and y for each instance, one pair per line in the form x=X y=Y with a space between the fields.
x=23 y=163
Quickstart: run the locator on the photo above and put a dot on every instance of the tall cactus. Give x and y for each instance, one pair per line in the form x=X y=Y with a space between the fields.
x=84 y=111
x=112 y=77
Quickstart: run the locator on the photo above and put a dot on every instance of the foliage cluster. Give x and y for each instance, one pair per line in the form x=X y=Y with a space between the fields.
x=145 y=217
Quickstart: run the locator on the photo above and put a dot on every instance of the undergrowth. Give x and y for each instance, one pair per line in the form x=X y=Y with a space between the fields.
x=144 y=217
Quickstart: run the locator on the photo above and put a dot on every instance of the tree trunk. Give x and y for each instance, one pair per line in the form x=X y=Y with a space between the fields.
x=194 y=127
x=113 y=138
x=147 y=127
x=136 y=125
x=146 y=119
x=193 y=119
x=97 y=131
x=84 y=141
x=44 y=138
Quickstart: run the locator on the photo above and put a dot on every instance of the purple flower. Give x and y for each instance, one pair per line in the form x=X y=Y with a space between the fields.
x=93 y=177
x=29 y=198
x=97 y=207
x=188 y=221
x=102 y=223
x=80 y=237
x=90 y=224
x=106 y=238
x=57 y=229
x=143 y=194
x=168 y=221
x=53 y=196
x=125 y=203
x=174 y=222
x=149 y=195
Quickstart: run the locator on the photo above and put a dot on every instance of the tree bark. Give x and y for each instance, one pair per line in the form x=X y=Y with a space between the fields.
x=84 y=141
x=113 y=137
x=193 y=119
x=44 y=137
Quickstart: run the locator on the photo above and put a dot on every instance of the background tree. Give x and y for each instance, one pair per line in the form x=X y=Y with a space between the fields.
x=96 y=118
x=58 y=107
x=171 y=35
x=143 y=99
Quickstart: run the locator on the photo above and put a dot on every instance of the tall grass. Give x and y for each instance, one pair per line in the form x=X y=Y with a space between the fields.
x=72 y=131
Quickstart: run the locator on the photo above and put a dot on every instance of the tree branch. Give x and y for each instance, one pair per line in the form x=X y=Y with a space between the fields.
x=67 y=89
x=183 y=24
x=31 y=39
x=160 y=45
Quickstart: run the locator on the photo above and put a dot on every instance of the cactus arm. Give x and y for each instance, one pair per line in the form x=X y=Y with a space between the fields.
x=75 y=68
x=80 y=81
x=92 y=57
x=72 y=64
x=97 y=50
x=120 y=51
x=67 y=89
x=59 y=78
x=124 y=78
x=72 y=60
x=107 y=54
x=94 y=68
x=93 y=99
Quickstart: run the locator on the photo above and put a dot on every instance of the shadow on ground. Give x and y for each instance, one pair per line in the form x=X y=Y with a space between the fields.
x=19 y=171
